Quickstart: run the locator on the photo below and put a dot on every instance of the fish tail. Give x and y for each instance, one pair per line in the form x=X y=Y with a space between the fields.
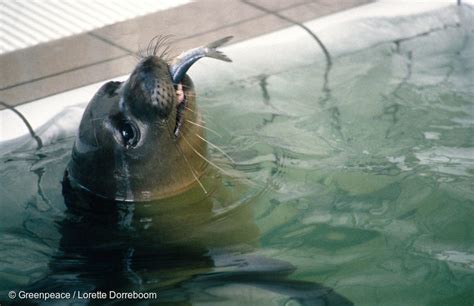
x=211 y=49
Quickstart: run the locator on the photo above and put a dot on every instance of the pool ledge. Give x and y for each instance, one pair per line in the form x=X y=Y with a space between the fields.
x=341 y=33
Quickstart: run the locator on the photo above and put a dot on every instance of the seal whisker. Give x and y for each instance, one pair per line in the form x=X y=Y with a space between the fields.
x=193 y=111
x=204 y=127
x=204 y=98
x=155 y=48
x=203 y=157
x=158 y=46
x=178 y=147
x=148 y=48
x=192 y=169
x=216 y=147
x=165 y=52
x=139 y=54
x=189 y=109
x=186 y=86
x=194 y=95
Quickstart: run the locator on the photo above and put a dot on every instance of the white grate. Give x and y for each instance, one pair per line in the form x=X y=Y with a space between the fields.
x=24 y=23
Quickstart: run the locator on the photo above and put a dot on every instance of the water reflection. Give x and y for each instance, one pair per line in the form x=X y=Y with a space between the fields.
x=203 y=250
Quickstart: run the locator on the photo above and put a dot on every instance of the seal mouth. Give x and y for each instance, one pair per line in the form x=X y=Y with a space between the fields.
x=180 y=108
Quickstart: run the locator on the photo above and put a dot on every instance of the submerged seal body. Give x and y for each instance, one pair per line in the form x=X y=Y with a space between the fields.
x=143 y=139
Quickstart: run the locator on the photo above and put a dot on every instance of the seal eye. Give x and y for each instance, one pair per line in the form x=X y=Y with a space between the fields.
x=130 y=134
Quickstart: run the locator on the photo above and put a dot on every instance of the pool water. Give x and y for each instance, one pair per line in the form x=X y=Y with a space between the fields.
x=360 y=185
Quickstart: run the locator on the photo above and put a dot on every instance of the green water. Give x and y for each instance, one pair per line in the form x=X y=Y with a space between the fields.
x=364 y=185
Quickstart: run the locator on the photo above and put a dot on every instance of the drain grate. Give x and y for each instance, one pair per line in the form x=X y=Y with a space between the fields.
x=25 y=23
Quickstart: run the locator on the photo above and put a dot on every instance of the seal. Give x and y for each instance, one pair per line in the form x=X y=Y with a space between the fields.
x=136 y=216
x=143 y=139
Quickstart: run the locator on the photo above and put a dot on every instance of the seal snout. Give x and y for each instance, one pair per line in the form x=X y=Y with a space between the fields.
x=149 y=90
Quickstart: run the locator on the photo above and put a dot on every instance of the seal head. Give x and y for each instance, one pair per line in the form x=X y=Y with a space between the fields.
x=141 y=139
